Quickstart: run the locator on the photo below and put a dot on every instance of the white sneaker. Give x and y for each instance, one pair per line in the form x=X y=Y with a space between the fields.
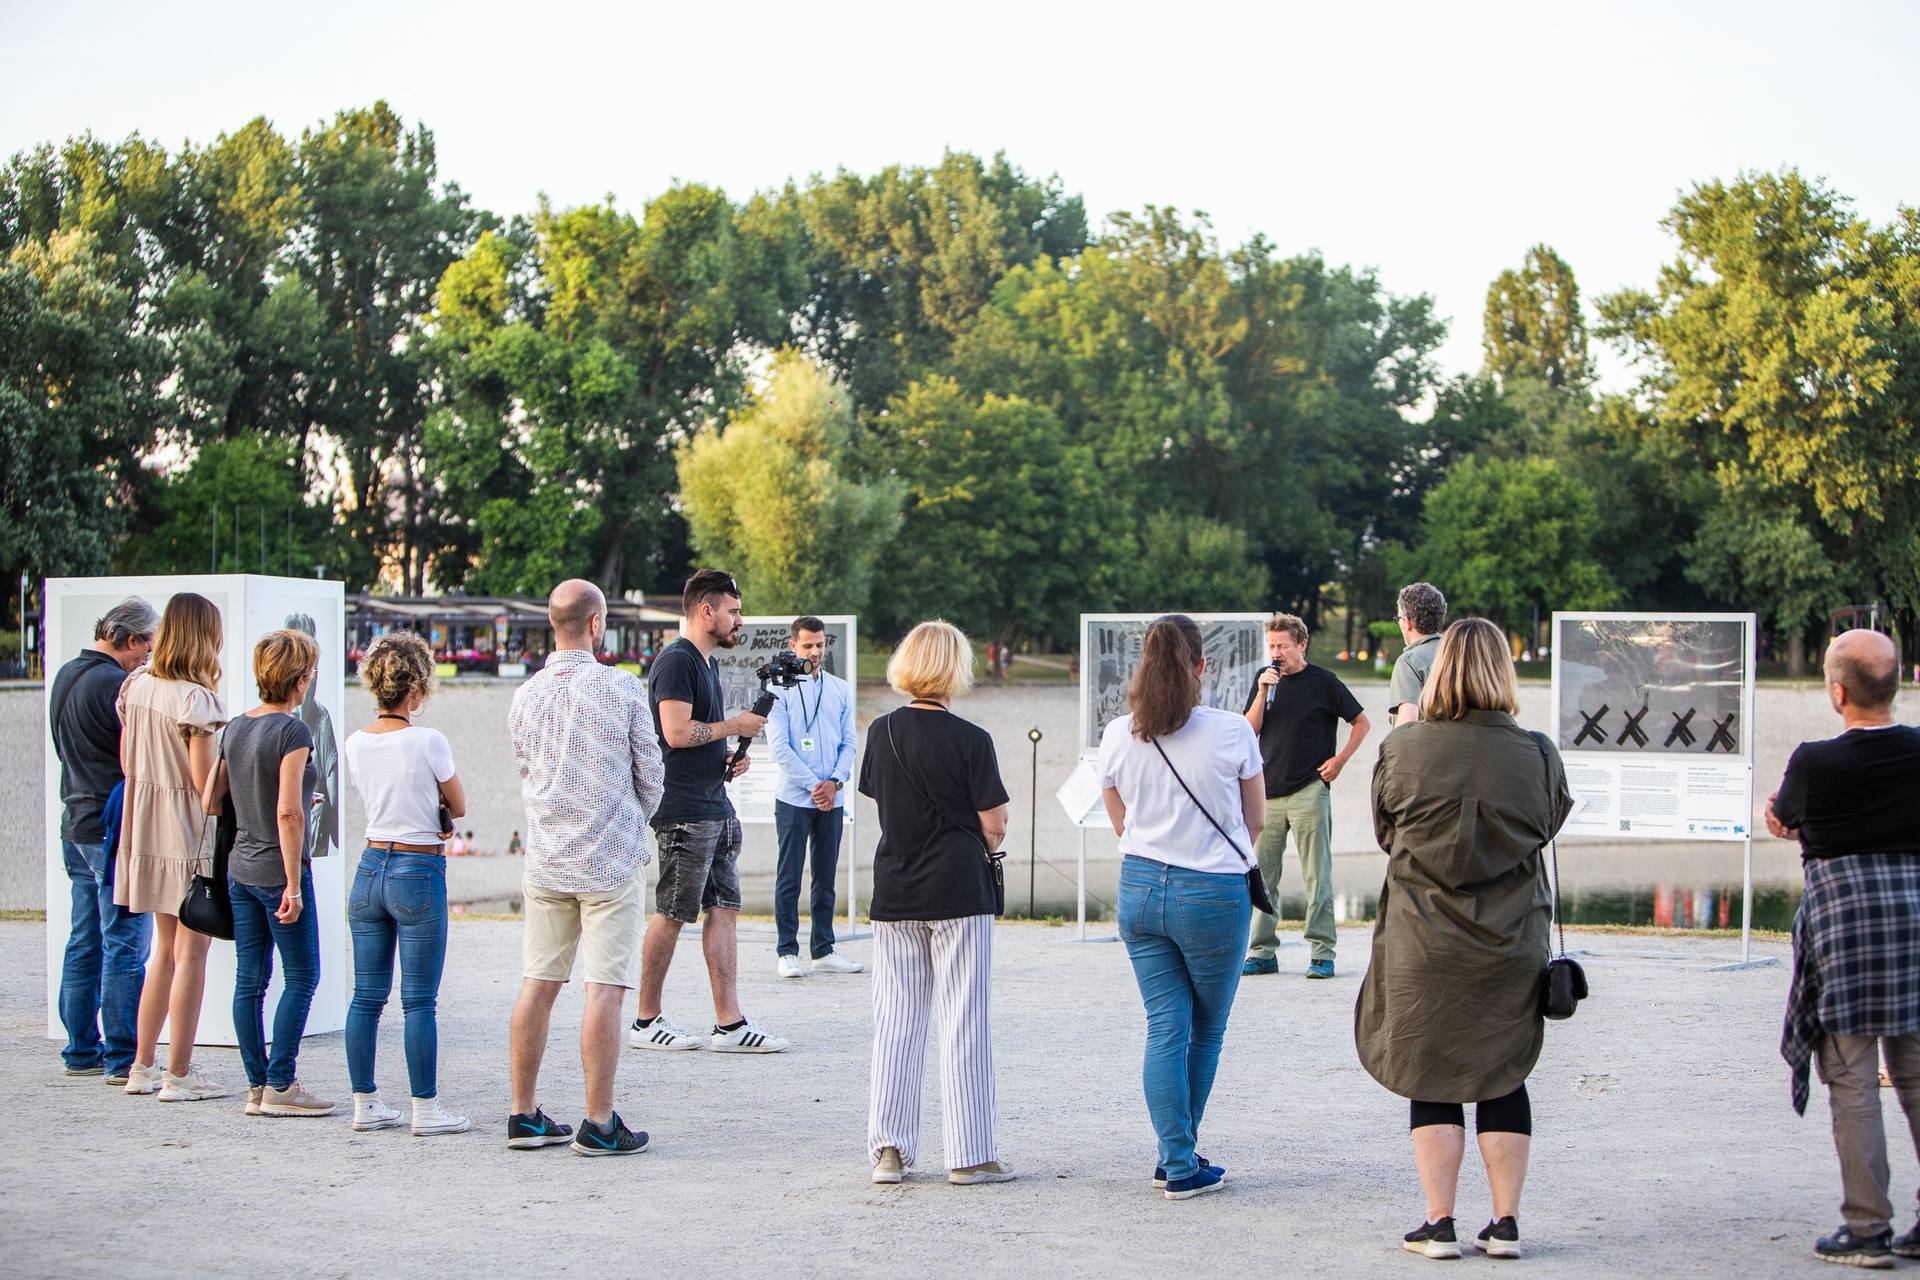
x=834 y=962
x=143 y=1080
x=661 y=1033
x=369 y=1113
x=191 y=1087
x=790 y=967
x=746 y=1038
x=430 y=1118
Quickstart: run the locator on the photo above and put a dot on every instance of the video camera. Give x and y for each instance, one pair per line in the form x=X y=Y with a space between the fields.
x=785 y=669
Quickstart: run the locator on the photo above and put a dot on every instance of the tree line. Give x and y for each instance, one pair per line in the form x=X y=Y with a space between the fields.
x=928 y=390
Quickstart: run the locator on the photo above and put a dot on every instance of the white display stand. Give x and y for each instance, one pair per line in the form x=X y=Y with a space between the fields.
x=753 y=794
x=250 y=606
x=1653 y=717
x=1080 y=796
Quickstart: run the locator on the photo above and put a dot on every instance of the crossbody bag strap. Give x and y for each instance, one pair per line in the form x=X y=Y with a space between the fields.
x=1553 y=846
x=1202 y=808
x=887 y=721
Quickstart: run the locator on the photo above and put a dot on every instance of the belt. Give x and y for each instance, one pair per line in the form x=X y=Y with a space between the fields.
x=395 y=846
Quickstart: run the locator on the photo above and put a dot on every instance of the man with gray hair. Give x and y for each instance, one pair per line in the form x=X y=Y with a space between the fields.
x=1422 y=616
x=106 y=958
x=1855 y=996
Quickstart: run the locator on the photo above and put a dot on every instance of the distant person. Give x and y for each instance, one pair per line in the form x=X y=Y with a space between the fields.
x=1422 y=616
x=1449 y=1012
x=457 y=846
x=590 y=777
x=1169 y=770
x=943 y=813
x=811 y=732
x=106 y=955
x=694 y=829
x=1293 y=708
x=398 y=903
x=514 y=848
x=1855 y=997
x=270 y=779
x=169 y=714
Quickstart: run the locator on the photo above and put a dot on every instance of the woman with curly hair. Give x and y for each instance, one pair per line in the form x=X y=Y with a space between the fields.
x=404 y=773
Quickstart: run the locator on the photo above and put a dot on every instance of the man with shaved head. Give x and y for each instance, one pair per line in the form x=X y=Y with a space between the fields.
x=591 y=778
x=1856 y=938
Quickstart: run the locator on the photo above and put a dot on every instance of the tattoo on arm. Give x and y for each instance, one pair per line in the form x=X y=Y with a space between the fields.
x=702 y=732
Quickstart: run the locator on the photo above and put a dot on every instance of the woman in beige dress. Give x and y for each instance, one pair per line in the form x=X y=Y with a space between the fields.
x=169 y=715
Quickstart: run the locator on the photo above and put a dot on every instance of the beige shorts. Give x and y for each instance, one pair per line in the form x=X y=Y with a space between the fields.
x=558 y=924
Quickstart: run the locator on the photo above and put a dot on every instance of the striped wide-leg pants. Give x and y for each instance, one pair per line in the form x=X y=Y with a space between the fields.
x=943 y=968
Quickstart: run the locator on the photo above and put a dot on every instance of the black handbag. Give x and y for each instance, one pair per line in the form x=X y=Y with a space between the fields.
x=208 y=908
x=1566 y=982
x=1256 y=884
x=994 y=870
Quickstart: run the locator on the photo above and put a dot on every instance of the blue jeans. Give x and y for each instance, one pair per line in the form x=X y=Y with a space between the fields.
x=257 y=933
x=104 y=967
x=1186 y=933
x=399 y=900
x=797 y=827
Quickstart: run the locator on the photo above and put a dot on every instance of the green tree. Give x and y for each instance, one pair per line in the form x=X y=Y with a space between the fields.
x=238 y=507
x=769 y=496
x=1534 y=328
x=1191 y=563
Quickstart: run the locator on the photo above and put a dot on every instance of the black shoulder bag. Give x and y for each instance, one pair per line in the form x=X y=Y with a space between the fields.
x=1566 y=984
x=1256 y=886
x=994 y=870
x=208 y=906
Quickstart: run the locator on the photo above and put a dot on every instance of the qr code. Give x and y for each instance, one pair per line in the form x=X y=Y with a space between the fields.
x=1626 y=824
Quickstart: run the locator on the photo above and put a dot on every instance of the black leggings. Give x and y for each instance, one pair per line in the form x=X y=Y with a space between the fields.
x=1511 y=1114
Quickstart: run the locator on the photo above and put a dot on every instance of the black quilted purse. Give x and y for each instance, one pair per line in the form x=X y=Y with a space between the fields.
x=208 y=908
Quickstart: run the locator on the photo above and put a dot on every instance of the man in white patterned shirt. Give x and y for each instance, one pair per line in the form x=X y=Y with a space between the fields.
x=590 y=777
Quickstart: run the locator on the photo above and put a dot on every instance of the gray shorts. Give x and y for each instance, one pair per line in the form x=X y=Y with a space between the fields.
x=699 y=868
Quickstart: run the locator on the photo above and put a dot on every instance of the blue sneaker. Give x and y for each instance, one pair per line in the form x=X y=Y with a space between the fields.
x=615 y=1140
x=1160 y=1175
x=1206 y=1178
x=1259 y=964
x=1320 y=969
x=527 y=1132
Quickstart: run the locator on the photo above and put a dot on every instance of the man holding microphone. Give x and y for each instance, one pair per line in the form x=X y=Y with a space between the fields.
x=811 y=732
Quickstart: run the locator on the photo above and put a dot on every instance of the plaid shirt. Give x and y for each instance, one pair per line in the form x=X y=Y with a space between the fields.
x=1856 y=956
x=590 y=773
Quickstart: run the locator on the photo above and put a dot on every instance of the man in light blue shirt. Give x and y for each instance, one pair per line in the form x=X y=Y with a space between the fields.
x=812 y=735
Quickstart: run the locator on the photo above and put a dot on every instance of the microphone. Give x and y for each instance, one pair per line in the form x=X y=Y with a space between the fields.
x=1273 y=688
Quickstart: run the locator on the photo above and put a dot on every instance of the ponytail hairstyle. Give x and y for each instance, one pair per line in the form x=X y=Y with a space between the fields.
x=1166 y=685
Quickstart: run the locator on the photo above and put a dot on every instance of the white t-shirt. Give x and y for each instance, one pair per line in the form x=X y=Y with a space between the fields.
x=1214 y=751
x=398 y=776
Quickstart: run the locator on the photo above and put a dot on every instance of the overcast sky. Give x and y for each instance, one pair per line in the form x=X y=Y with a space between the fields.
x=1432 y=142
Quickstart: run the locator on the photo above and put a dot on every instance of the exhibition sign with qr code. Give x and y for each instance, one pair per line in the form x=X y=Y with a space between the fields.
x=1653 y=715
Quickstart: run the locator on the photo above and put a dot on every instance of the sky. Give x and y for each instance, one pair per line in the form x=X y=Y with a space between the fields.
x=1432 y=143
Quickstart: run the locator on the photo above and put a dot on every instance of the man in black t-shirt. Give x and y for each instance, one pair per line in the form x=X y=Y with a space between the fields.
x=1293 y=709
x=695 y=831
x=1855 y=998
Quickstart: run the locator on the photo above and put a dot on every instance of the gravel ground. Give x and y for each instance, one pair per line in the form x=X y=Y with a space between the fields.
x=1665 y=1145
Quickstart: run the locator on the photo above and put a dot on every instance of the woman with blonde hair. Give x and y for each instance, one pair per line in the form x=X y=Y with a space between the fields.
x=936 y=890
x=398 y=903
x=1464 y=799
x=169 y=714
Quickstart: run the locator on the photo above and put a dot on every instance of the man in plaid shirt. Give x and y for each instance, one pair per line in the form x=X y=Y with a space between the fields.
x=1856 y=939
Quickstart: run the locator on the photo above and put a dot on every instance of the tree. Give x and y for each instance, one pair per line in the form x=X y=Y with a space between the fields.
x=1534 y=328
x=241 y=499
x=769 y=497
x=1505 y=537
x=1191 y=563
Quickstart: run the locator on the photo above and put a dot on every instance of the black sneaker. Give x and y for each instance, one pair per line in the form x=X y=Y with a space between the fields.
x=525 y=1132
x=1500 y=1239
x=1160 y=1175
x=615 y=1140
x=1433 y=1240
x=1851 y=1250
x=1908 y=1245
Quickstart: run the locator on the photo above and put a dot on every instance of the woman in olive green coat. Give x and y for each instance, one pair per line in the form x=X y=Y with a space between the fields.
x=1449 y=1013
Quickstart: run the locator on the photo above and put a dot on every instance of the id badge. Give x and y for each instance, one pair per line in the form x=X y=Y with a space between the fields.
x=806 y=744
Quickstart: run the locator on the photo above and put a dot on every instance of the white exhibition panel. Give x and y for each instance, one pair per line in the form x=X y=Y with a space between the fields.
x=250 y=606
x=764 y=636
x=1235 y=645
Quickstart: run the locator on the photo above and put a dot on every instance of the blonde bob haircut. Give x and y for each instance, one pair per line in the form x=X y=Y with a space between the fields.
x=934 y=661
x=281 y=660
x=1472 y=672
x=188 y=646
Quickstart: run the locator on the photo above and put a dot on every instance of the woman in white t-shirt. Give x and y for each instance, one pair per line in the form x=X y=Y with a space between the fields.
x=1184 y=905
x=404 y=773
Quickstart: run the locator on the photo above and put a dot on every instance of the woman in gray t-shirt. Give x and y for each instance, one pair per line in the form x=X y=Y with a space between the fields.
x=269 y=779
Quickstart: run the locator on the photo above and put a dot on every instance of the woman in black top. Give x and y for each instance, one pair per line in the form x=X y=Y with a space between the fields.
x=943 y=813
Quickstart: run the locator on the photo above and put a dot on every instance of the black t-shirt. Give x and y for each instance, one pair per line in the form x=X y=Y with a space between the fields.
x=928 y=866
x=86 y=740
x=1853 y=793
x=696 y=785
x=1296 y=736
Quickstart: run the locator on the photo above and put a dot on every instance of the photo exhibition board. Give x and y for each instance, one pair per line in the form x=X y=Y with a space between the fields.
x=1235 y=645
